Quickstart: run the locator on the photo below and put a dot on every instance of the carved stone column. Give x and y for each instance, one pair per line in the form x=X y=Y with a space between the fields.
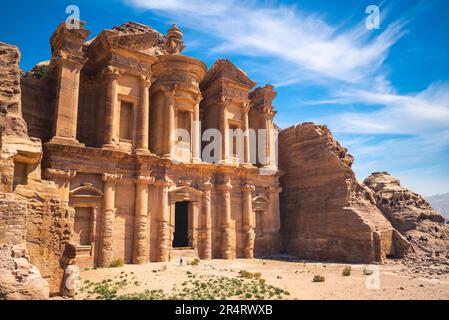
x=224 y=129
x=143 y=116
x=169 y=94
x=227 y=232
x=108 y=209
x=68 y=59
x=141 y=253
x=248 y=221
x=207 y=222
x=67 y=95
x=164 y=223
x=247 y=156
x=110 y=134
x=196 y=132
x=62 y=179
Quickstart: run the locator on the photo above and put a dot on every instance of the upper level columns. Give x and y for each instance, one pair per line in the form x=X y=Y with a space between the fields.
x=196 y=131
x=246 y=140
x=143 y=115
x=66 y=110
x=111 y=133
x=224 y=129
x=68 y=59
x=169 y=107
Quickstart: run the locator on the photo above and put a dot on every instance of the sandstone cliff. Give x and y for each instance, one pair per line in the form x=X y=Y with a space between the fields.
x=325 y=212
x=409 y=213
x=31 y=212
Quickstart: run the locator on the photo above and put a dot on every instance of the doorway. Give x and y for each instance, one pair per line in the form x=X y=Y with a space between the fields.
x=181 y=237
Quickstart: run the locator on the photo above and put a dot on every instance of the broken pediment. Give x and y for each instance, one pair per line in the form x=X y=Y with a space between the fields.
x=224 y=69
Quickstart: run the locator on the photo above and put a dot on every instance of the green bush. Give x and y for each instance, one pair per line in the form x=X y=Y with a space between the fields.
x=318 y=278
x=116 y=263
x=347 y=271
x=195 y=262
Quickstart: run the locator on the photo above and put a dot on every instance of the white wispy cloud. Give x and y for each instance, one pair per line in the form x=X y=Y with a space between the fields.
x=285 y=33
x=416 y=114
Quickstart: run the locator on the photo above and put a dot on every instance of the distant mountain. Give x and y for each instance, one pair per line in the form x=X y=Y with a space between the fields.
x=440 y=203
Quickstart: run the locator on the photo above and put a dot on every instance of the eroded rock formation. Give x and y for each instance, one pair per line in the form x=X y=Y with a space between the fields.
x=409 y=212
x=19 y=279
x=31 y=212
x=325 y=212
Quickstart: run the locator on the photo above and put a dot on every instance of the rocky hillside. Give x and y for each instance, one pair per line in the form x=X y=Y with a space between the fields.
x=329 y=214
x=409 y=212
x=440 y=203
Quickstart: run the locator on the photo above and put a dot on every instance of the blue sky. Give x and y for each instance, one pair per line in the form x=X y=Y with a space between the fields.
x=384 y=93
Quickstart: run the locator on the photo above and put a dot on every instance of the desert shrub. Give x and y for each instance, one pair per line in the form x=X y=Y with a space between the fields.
x=116 y=263
x=318 y=278
x=245 y=274
x=257 y=275
x=346 y=271
x=195 y=262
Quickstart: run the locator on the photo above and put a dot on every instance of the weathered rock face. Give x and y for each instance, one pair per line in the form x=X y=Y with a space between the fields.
x=408 y=212
x=10 y=79
x=20 y=280
x=31 y=211
x=325 y=212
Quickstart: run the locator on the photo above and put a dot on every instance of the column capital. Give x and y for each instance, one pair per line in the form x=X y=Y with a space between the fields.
x=198 y=97
x=60 y=173
x=63 y=58
x=145 y=80
x=245 y=106
x=169 y=90
x=248 y=188
x=145 y=180
x=111 y=177
x=224 y=187
x=207 y=186
x=111 y=72
x=163 y=183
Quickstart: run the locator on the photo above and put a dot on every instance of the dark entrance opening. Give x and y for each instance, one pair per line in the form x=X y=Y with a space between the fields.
x=181 y=238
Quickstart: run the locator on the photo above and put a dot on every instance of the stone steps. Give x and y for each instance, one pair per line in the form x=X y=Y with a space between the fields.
x=187 y=255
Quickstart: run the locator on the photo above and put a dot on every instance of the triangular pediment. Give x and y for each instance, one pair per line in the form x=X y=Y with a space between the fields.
x=224 y=69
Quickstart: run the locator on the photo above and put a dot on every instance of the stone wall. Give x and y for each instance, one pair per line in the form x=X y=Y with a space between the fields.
x=325 y=213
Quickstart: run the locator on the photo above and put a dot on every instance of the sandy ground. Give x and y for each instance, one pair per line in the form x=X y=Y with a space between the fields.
x=395 y=280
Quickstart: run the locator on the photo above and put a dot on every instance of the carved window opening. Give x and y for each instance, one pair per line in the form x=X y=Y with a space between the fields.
x=126 y=121
x=20 y=174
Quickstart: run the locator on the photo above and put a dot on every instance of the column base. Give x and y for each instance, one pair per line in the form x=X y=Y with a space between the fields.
x=197 y=160
x=142 y=152
x=168 y=157
x=247 y=165
x=110 y=146
x=66 y=141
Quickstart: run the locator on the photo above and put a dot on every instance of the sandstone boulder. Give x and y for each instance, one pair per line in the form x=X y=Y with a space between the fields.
x=20 y=280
